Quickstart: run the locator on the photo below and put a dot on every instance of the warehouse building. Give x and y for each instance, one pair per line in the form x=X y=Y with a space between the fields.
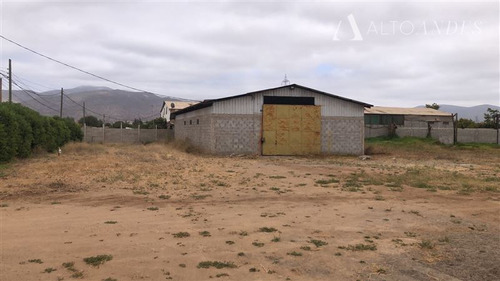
x=287 y=120
x=409 y=122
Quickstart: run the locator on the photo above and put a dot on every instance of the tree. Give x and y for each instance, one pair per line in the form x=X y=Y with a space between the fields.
x=433 y=106
x=91 y=121
x=466 y=123
x=491 y=118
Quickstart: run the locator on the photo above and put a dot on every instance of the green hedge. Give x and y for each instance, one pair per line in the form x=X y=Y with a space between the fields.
x=23 y=130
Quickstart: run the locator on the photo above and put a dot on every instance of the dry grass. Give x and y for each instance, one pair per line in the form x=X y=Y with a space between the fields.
x=282 y=215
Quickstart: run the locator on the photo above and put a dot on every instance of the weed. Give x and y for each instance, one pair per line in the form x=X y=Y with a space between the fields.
x=110 y=222
x=274 y=188
x=258 y=244
x=444 y=239
x=276 y=239
x=410 y=234
x=97 y=260
x=49 y=270
x=379 y=198
x=200 y=196
x=110 y=279
x=140 y=192
x=77 y=274
x=55 y=203
x=360 y=247
x=153 y=208
x=277 y=177
x=216 y=264
x=4 y=205
x=338 y=254
x=181 y=234
x=205 y=233
x=183 y=265
x=243 y=233
x=221 y=275
x=318 y=243
x=68 y=265
x=165 y=197
x=415 y=213
x=381 y=271
x=35 y=261
x=305 y=248
x=229 y=242
x=328 y=181
x=241 y=254
x=295 y=254
x=220 y=183
x=253 y=269
x=426 y=244
x=267 y=229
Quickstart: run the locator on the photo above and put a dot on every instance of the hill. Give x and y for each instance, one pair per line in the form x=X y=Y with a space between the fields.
x=475 y=113
x=116 y=104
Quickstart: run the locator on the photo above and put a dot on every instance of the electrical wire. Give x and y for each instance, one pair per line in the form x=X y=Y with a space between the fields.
x=74 y=67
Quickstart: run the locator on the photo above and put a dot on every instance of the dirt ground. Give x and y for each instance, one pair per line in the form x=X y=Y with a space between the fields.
x=158 y=213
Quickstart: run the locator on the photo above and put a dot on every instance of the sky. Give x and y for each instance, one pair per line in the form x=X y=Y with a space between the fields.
x=395 y=53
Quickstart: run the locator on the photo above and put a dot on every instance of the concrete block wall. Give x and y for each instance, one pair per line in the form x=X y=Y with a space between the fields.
x=237 y=133
x=342 y=135
x=197 y=129
x=479 y=135
x=116 y=135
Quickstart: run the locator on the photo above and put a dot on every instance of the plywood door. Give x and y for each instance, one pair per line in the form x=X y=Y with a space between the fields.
x=291 y=129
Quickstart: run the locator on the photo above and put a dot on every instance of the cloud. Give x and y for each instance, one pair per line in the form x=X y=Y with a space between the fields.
x=411 y=53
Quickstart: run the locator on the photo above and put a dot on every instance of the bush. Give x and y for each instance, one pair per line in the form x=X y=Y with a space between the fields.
x=23 y=130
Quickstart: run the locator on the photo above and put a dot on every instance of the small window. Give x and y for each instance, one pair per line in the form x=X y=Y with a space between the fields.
x=190 y=122
x=184 y=123
x=197 y=121
x=446 y=123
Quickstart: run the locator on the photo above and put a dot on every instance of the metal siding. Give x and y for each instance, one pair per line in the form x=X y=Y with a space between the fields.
x=252 y=104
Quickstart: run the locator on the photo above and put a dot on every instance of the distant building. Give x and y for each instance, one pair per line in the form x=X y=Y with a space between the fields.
x=169 y=107
x=415 y=122
x=287 y=120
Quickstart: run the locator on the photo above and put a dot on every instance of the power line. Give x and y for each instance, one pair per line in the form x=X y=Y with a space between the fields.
x=73 y=67
x=28 y=93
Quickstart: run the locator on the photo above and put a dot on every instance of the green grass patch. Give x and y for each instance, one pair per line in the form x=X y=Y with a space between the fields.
x=97 y=260
x=267 y=229
x=181 y=234
x=318 y=243
x=216 y=264
x=359 y=247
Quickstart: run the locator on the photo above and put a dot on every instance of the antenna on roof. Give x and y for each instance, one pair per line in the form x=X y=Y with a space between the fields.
x=285 y=81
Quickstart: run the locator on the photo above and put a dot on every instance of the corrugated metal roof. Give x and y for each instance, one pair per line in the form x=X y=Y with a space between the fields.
x=207 y=103
x=405 y=111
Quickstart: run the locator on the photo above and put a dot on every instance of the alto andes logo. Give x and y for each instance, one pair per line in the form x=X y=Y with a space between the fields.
x=351 y=31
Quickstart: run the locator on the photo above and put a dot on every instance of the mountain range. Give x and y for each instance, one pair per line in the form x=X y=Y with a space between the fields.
x=474 y=113
x=115 y=104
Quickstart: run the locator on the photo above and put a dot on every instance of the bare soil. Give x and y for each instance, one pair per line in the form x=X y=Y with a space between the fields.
x=134 y=202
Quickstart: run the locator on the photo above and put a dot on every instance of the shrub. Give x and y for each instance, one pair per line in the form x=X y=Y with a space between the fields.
x=23 y=130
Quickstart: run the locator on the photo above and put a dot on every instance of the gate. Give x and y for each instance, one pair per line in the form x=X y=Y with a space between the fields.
x=291 y=129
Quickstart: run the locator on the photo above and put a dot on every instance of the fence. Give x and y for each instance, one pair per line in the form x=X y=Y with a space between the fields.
x=444 y=135
x=125 y=135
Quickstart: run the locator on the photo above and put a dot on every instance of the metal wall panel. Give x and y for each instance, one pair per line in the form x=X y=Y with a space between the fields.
x=252 y=104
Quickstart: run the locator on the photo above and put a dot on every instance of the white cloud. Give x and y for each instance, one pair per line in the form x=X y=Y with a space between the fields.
x=212 y=49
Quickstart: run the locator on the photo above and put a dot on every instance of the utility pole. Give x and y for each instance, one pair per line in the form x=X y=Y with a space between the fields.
x=60 y=111
x=10 y=81
x=0 y=89
x=84 y=122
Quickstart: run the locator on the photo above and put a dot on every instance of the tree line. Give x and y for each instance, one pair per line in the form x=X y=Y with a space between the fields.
x=93 y=121
x=491 y=117
x=23 y=131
